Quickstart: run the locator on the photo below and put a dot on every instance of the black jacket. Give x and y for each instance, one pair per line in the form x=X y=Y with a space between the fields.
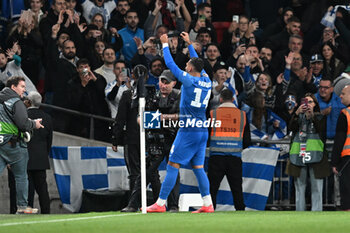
x=40 y=144
x=126 y=116
x=117 y=20
x=60 y=72
x=279 y=41
x=88 y=99
x=19 y=116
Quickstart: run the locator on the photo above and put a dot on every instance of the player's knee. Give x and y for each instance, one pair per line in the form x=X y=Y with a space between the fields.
x=175 y=165
x=197 y=166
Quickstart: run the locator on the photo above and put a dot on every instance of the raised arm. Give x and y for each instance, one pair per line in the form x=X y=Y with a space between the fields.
x=191 y=49
x=186 y=38
x=178 y=73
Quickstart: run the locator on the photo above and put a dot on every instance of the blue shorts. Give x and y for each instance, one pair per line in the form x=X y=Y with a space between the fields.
x=189 y=147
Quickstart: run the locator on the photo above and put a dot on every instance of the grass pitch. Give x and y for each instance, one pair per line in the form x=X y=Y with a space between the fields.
x=262 y=221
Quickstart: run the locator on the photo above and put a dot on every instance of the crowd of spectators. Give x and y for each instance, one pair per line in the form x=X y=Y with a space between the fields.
x=283 y=51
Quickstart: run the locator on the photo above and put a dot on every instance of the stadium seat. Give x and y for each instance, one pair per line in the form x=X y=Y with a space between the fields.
x=220 y=28
x=187 y=200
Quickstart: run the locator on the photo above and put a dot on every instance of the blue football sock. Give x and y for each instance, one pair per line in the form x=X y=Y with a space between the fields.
x=203 y=181
x=169 y=182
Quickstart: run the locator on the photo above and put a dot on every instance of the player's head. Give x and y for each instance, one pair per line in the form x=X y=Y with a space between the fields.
x=194 y=65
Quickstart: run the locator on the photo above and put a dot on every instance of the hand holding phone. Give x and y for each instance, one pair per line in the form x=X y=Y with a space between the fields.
x=235 y=18
x=125 y=74
x=304 y=102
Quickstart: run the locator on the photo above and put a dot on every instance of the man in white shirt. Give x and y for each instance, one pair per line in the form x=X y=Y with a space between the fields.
x=107 y=69
x=114 y=90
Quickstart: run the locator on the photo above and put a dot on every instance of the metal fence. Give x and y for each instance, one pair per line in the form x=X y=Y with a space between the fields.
x=92 y=117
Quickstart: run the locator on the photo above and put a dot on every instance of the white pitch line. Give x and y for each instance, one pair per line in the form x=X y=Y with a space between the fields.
x=65 y=220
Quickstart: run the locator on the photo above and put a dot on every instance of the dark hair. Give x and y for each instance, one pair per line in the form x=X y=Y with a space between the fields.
x=293 y=19
x=214 y=44
x=100 y=40
x=103 y=18
x=253 y=45
x=203 y=30
x=119 y=61
x=202 y=6
x=14 y=80
x=197 y=63
x=83 y=61
x=64 y=42
x=265 y=47
x=259 y=111
x=107 y=47
x=90 y=27
x=244 y=16
x=3 y=52
x=162 y=26
x=330 y=45
x=226 y=95
x=287 y=9
x=157 y=59
x=329 y=69
x=327 y=79
x=63 y=31
x=123 y=1
x=129 y=11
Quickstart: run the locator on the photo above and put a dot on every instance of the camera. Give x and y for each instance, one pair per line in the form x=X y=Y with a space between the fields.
x=156 y=41
x=155 y=139
x=151 y=98
x=244 y=41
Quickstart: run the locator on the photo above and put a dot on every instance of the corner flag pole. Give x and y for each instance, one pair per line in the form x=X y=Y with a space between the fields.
x=142 y=103
x=143 y=156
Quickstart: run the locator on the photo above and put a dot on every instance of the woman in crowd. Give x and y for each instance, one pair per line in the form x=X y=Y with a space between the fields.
x=99 y=21
x=263 y=84
x=333 y=67
x=95 y=56
x=308 y=123
x=264 y=124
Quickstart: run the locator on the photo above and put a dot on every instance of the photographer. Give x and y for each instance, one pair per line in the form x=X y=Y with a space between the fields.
x=158 y=142
x=13 y=147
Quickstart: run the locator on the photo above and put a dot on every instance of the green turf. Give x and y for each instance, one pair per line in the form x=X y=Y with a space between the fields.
x=264 y=221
